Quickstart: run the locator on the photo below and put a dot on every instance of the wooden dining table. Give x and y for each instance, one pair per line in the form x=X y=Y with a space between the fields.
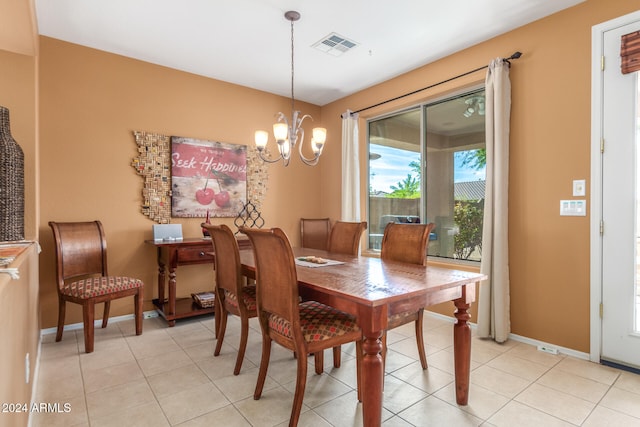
x=372 y=289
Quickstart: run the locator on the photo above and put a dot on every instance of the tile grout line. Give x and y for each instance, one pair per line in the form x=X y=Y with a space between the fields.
x=146 y=378
x=603 y=378
x=84 y=386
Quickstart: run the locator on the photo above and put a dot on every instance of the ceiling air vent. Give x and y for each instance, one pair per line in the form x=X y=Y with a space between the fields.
x=334 y=44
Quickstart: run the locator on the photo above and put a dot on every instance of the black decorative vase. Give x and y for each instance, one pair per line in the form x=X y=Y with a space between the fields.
x=11 y=183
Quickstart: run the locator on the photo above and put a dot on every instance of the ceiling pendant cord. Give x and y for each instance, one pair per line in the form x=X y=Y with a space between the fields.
x=293 y=99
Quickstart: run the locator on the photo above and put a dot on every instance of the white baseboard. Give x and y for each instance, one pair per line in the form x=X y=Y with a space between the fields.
x=519 y=338
x=568 y=351
x=98 y=323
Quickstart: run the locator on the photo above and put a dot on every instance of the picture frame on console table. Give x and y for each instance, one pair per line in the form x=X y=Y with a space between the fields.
x=207 y=176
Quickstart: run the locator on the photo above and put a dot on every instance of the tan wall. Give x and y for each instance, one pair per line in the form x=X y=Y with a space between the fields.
x=18 y=94
x=92 y=101
x=18 y=28
x=550 y=147
x=19 y=335
x=19 y=307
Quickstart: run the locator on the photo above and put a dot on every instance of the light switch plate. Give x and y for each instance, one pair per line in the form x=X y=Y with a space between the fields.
x=579 y=187
x=573 y=208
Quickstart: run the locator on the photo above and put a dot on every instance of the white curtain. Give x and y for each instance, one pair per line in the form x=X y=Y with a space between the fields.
x=350 y=168
x=493 y=304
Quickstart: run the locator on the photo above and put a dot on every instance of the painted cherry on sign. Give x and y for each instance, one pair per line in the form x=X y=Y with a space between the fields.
x=222 y=198
x=205 y=195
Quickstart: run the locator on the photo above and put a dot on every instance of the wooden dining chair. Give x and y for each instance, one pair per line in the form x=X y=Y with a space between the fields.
x=406 y=243
x=82 y=277
x=232 y=296
x=303 y=327
x=314 y=232
x=345 y=237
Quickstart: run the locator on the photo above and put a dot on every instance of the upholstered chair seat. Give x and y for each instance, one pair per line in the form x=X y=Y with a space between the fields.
x=97 y=286
x=318 y=322
x=248 y=298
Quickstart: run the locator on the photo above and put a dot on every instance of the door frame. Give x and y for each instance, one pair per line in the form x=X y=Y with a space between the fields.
x=597 y=35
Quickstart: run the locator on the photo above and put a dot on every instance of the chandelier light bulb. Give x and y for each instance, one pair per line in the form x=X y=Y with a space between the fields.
x=320 y=135
x=280 y=131
x=284 y=148
x=261 y=138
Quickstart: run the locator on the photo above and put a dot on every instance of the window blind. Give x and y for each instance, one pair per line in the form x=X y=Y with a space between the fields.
x=630 y=52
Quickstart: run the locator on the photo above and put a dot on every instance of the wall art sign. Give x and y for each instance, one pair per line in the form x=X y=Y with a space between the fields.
x=207 y=176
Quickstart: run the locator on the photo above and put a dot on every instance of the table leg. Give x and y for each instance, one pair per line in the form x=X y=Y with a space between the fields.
x=462 y=349
x=172 y=295
x=161 y=278
x=372 y=379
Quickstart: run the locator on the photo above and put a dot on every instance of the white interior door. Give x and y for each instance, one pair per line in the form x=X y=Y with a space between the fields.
x=620 y=213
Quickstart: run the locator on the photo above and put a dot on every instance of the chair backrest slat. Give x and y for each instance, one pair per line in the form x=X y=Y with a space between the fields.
x=406 y=242
x=81 y=249
x=314 y=232
x=227 y=258
x=345 y=237
x=276 y=278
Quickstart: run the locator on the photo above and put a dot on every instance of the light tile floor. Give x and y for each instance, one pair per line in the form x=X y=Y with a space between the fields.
x=169 y=377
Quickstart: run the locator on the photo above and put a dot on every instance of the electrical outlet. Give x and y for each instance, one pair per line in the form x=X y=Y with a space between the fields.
x=579 y=187
x=548 y=349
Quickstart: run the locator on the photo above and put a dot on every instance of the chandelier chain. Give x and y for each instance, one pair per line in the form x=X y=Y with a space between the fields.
x=292 y=71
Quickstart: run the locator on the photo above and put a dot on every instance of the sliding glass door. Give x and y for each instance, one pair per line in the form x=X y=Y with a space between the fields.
x=427 y=164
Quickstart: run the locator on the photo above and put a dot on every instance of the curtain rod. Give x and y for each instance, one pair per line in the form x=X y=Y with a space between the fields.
x=515 y=55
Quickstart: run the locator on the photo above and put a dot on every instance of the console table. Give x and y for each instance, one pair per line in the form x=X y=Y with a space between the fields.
x=174 y=254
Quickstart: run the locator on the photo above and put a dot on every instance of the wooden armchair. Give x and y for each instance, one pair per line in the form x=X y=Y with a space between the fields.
x=231 y=294
x=406 y=243
x=314 y=232
x=81 y=272
x=303 y=327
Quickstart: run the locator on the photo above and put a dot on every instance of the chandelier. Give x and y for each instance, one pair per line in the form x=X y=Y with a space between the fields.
x=475 y=104
x=289 y=132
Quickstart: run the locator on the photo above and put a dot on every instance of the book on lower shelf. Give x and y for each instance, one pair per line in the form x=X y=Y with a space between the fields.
x=204 y=299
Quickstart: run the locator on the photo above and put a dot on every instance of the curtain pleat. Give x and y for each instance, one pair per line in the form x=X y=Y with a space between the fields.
x=494 y=301
x=350 y=168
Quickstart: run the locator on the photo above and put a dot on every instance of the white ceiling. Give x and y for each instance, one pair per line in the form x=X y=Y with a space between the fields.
x=247 y=42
